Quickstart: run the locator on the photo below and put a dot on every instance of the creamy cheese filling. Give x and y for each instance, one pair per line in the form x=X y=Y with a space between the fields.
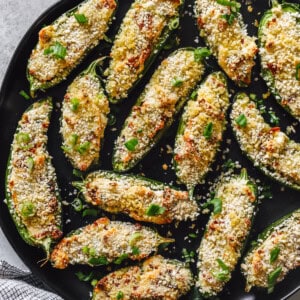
x=267 y=147
x=171 y=83
x=284 y=239
x=75 y=37
x=280 y=55
x=134 y=197
x=108 y=240
x=140 y=32
x=225 y=235
x=84 y=119
x=230 y=43
x=157 y=278
x=196 y=147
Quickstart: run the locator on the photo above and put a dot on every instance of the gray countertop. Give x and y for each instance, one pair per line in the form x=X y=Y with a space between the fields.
x=17 y=17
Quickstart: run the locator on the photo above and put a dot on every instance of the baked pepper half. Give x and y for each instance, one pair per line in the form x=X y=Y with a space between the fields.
x=84 y=118
x=141 y=198
x=63 y=44
x=155 y=109
x=32 y=193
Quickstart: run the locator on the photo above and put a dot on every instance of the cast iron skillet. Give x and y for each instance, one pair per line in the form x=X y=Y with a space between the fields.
x=12 y=105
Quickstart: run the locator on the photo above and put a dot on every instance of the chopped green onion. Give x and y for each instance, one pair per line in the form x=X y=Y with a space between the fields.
x=194 y=95
x=201 y=53
x=92 y=252
x=176 y=82
x=193 y=235
x=217 y=204
x=274 y=254
x=77 y=204
x=77 y=173
x=229 y=164
x=222 y=265
x=84 y=277
x=107 y=39
x=85 y=250
x=224 y=274
x=272 y=277
x=83 y=148
x=23 y=138
x=74 y=104
x=241 y=120
x=30 y=163
x=253 y=97
x=94 y=282
x=120 y=295
x=57 y=50
x=135 y=250
x=28 y=209
x=66 y=149
x=134 y=238
x=229 y=18
x=155 y=210
x=81 y=18
x=174 y=24
x=273 y=118
x=139 y=131
x=207 y=133
x=297 y=72
x=120 y=259
x=98 y=261
x=24 y=94
x=73 y=139
x=131 y=144
x=188 y=256
x=90 y=212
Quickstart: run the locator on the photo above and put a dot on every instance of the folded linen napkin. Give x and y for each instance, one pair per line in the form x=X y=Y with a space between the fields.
x=16 y=284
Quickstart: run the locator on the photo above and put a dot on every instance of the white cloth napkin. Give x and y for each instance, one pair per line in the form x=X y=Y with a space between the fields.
x=16 y=284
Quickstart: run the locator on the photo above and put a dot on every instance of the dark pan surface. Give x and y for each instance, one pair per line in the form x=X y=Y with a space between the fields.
x=12 y=105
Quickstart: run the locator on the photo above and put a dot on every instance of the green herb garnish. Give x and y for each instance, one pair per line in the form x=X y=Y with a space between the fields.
x=24 y=95
x=83 y=148
x=30 y=163
x=273 y=118
x=174 y=24
x=84 y=277
x=176 y=82
x=217 y=204
x=120 y=295
x=194 y=95
x=74 y=104
x=98 y=261
x=28 y=209
x=274 y=254
x=73 y=139
x=207 y=133
x=77 y=204
x=193 y=235
x=135 y=250
x=155 y=210
x=57 y=50
x=131 y=144
x=23 y=138
x=241 y=120
x=201 y=53
x=134 y=238
x=81 y=18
